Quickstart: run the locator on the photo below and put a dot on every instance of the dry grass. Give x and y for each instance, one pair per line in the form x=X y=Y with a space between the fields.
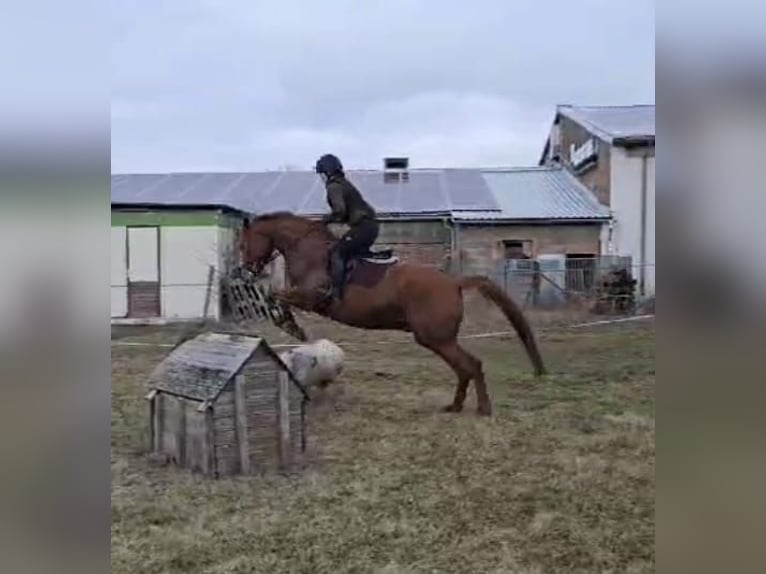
x=561 y=479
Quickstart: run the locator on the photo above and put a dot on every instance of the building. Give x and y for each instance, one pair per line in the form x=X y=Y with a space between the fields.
x=460 y=220
x=610 y=150
x=166 y=259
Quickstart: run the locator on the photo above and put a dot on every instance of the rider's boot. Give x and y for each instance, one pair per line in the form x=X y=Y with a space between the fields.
x=336 y=272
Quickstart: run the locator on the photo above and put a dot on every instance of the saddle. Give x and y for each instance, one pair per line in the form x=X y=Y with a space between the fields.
x=382 y=257
x=368 y=269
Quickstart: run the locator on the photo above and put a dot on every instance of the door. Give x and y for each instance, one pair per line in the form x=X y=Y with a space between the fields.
x=143 y=271
x=119 y=261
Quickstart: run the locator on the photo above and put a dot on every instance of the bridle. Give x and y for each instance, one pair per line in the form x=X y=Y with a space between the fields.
x=260 y=266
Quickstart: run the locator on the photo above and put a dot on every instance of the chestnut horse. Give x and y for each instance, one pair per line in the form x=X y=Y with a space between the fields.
x=413 y=298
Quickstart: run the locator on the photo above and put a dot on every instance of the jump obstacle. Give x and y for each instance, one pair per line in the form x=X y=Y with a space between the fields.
x=249 y=300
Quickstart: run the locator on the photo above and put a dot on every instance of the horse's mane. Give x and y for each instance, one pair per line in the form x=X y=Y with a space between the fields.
x=289 y=215
x=274 y=215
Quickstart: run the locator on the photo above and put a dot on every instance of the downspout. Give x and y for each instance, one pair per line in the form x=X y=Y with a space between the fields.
x=642 y=256
x=450 y=224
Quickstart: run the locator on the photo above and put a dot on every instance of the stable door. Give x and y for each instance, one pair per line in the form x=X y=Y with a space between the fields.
x=143 y=272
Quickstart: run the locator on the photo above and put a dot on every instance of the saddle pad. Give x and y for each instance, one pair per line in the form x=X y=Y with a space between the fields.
x=368 y=273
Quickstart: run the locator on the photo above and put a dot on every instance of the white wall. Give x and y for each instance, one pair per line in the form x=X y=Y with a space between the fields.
x=186 y=254
x=228 y=249
x=119 y=280
x=625 y=200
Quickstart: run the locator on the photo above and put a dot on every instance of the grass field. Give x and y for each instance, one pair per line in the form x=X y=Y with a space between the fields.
x=560 y=479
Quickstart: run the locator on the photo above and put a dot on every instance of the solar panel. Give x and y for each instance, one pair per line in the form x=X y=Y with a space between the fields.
x=290 y=192
x=383 y=196
x=246 y=191
x=424 y=193
x=211 y=190
x=315 y=203
x=468 y=190
x=437 y=191
x=174 y=188
x=136 y=185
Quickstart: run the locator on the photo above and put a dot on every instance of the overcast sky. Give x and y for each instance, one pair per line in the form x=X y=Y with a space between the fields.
x=247 y=85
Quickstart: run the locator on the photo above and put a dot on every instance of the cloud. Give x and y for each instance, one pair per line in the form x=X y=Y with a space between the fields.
x=255 y=85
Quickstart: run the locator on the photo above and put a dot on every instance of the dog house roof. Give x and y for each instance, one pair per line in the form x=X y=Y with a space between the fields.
x=200 y=368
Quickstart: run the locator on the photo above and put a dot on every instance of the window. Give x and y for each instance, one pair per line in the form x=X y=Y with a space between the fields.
x=580 y=272
x=517 y=249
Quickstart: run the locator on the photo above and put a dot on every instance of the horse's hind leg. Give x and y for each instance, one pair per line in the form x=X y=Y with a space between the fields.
x=467 y=368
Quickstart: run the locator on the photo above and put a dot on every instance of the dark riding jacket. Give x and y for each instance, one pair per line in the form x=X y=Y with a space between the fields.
x=347 y=204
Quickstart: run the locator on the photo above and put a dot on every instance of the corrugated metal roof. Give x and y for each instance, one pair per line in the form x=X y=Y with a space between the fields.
x=302 y=192
x=537 y=193
x=613 y=122
x=465 y=194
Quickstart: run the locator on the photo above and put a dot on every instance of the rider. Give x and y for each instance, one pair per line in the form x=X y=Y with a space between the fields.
x=347 y=206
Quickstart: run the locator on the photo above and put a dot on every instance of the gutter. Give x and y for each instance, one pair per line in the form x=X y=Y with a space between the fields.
x=633 y=141
x=538 y=221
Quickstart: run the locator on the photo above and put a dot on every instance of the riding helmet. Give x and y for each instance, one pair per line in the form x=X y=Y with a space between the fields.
x=329 y=165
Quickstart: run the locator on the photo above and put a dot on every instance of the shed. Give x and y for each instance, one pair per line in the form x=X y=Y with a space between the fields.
x=225 y=404
x=166 y=260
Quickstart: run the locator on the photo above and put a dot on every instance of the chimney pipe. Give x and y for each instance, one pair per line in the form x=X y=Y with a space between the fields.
x=396 y=169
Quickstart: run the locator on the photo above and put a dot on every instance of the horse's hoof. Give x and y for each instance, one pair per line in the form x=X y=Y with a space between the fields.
x=452 y=408
x=484 y=411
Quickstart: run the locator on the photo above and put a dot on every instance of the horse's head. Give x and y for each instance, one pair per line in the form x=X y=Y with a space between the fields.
x=256 y=245
x=265 y=236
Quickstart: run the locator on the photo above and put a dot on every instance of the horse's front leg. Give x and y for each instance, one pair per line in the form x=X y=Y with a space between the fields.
x=293 y=298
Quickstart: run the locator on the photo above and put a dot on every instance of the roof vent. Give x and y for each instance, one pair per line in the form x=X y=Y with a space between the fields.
x=396 y=169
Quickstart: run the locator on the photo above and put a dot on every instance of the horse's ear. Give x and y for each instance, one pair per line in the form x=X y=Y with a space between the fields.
x=246 y=222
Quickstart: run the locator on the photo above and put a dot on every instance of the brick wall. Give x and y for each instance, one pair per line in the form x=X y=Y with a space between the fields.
x=596 y=178
x=420 y=242
x=481 y=246
x=482 y=250
x=425 y=243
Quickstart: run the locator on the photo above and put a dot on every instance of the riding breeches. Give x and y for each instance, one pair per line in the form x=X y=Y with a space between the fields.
x=358 y=240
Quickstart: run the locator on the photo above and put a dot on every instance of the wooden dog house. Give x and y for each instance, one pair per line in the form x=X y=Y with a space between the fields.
x=225 y=404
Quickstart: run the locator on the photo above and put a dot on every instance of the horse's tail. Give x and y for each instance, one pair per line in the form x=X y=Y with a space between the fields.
x=492 y=292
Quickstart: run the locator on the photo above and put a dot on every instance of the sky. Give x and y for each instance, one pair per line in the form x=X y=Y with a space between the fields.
x=202 y=85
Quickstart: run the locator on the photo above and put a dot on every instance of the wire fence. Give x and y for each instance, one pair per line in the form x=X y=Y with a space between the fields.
x=608 y=285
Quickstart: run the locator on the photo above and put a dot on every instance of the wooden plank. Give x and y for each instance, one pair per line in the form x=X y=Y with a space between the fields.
x=195 y=438
x=208 y=443
x=227 y=460
x=284 y=418
x=210 y=427
x=152 y=422
x=181 y=432
x=171 y=421
x=226 y=439
x=208 y=291
x=143 y=299
x=241 y=418
x=218 y=353
x=157 y=422
x=224 y=411
x=226 y=398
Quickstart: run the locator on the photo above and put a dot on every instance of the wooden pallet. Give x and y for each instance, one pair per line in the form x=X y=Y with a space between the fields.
x=250 y=300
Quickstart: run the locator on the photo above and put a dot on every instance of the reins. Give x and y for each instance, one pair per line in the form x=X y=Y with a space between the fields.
x=291 y=245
